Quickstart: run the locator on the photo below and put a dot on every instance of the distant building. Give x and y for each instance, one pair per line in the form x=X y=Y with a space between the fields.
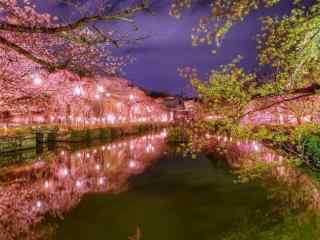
x=172 y=102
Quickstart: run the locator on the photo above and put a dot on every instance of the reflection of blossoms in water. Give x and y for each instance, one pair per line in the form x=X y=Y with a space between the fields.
x=295 y=195
x=250 y=159
x=54 y=187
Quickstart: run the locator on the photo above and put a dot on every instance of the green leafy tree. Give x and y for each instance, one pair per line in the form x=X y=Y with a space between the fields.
x=289 y=44
x=229 y=90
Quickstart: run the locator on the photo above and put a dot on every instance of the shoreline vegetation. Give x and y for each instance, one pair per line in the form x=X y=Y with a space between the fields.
x=298 y=144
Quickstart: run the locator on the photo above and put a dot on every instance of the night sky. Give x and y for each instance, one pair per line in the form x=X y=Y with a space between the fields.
x=169 y=46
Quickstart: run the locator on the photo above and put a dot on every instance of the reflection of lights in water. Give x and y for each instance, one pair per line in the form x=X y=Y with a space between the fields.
x=38 y=204
x=46 y=184
x=101 y=181
x=78 y=184
x=60 y=183
x=88 y=155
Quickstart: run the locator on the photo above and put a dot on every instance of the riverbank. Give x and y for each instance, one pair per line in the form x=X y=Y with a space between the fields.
x=32 y=138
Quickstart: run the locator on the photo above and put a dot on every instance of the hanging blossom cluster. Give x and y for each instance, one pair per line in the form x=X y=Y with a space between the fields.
x=81 y=45
x=55 y=186
x=66 y=100
x=32 y=42
x=51 y=63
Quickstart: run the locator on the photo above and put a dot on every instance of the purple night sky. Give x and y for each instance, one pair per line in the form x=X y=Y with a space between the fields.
x=169 y=45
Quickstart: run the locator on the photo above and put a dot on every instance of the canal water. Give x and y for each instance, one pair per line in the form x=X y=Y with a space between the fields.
x=140 y=188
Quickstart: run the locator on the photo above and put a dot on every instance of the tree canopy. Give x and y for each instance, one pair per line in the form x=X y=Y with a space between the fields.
x=287 y=44
x=34 y=43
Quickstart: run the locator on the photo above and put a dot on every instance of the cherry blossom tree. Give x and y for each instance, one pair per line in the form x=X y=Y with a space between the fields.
x=34 y=44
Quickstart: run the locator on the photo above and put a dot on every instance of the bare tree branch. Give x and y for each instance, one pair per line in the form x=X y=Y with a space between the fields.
x=122 y=15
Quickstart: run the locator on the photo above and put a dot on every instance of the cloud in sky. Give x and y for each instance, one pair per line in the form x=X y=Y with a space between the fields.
x=169 y=45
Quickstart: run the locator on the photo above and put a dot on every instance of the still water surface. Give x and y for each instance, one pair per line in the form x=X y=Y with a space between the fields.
x=138 y=188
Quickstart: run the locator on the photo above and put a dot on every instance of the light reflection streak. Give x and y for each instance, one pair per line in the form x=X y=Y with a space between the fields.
x=298 y=189
x=55 y=186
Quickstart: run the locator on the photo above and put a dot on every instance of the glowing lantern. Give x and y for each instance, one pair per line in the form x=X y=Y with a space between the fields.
x=65 y=172
x=100 y=89
x=98 y=167
x=37 y=80
x=111 y=118
x=78 y=90
x=164 y=134
x=164 y=118
x=132 y=164
x=39 y=204
x=78 y=184
x=46 y=184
